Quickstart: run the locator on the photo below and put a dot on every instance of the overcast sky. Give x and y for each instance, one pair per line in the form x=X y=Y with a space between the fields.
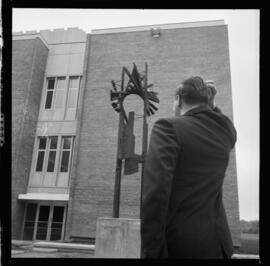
x=243 y=26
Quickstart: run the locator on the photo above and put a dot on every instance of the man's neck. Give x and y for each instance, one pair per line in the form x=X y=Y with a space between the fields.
x=187 y=108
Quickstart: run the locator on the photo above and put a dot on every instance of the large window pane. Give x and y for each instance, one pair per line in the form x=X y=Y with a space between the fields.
x=40 y=160
x=50 y=84
x=31 y=212
x=42 y=225
x=72 y=98
x=42 y=143
x=73 y=82
x=51 y=161
x=59 y=100
x=67 y=143
x=61 y=83
x=58 y=214
x=57 y=223
x=28 y=233
x=42 y=228
x=53 y=144
x=44 y=212
x=29 y=224
x=48 y=103
x=64 y=161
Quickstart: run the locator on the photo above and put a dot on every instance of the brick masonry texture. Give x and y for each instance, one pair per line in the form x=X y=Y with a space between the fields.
x=29 y=59
x=175 y=55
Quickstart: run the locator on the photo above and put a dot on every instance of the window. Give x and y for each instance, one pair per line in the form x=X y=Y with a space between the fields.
x=41 y=153
x=73 y=91
x=56 y=157
x=52 y=154
x=57 y=222
x=57 y=86
x=61 y=98
x=29 y=223
x=49 y=95
x=44 y=222
x=53 y=160
x=60 y=93
x=42 y=148
x=66 y=153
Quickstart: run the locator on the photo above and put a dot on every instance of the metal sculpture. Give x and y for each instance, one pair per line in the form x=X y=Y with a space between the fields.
x=137 y=84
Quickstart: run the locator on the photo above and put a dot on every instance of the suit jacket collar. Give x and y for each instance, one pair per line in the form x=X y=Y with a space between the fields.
x=199 y=109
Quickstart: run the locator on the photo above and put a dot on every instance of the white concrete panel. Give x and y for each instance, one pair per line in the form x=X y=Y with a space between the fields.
x=59 y=49
x=58 y=35
x=46 y=35
x=57 y=65
x=49 y=179
x=75 y=35
x=36 y=178
x=62 y=180
x=76 y=48
x=76 y=64
x=56 y=128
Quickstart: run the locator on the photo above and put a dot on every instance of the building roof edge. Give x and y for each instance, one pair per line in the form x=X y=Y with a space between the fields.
x=193 y=24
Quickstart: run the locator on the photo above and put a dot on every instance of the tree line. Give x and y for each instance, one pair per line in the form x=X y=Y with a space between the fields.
x=251 y=227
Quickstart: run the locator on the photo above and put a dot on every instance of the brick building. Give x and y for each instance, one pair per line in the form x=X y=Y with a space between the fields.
x=65 y=130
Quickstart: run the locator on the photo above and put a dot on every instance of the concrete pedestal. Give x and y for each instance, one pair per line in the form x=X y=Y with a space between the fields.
x=118 y=238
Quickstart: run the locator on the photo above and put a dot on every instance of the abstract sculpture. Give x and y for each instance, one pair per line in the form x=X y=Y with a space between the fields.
x=137 y=84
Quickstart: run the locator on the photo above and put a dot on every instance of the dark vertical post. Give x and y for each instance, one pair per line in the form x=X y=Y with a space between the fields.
x=118 y=172
x=145 y=129
x=144 y=141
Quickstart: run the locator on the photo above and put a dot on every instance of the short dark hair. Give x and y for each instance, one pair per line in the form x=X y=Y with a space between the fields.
x=193 y=91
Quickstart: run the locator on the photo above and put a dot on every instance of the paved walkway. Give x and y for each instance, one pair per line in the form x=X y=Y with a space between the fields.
x=26 y=249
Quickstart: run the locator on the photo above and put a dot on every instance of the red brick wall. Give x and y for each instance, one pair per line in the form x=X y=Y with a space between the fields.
x=175 y=55
x=28 y=65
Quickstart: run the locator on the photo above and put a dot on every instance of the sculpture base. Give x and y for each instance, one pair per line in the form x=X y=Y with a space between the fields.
x=118 y=238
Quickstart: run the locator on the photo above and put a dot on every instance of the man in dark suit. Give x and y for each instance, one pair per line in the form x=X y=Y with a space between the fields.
x=182 y=210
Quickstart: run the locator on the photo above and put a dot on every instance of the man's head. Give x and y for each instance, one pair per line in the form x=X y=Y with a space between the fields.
x=192 y=92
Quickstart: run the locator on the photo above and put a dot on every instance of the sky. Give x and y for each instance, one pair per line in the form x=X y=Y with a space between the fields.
x=243 y=27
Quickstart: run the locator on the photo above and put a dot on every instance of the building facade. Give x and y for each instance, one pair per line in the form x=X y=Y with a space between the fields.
x=71 y=154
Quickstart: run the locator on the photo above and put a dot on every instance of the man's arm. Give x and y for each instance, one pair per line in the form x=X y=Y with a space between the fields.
x=212 y=91
x=160 y=164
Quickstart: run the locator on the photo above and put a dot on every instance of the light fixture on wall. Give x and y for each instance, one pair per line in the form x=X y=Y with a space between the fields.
x=155 y=32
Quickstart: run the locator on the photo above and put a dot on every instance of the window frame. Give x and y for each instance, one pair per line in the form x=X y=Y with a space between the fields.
x=40 y=150
x=66 y=91
x=49 y=90
x=57 y=90
x=49 y=150
x=77 y=89
x=61 y=153
x=50 y=220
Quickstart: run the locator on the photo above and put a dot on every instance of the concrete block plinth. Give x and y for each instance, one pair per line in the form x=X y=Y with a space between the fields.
x=118 y=238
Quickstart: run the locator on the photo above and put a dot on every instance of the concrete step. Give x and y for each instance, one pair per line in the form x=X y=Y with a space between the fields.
x=65 y=246
x=245 y=256
x=15 y=251
x=46 y=250
x=21 y=244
